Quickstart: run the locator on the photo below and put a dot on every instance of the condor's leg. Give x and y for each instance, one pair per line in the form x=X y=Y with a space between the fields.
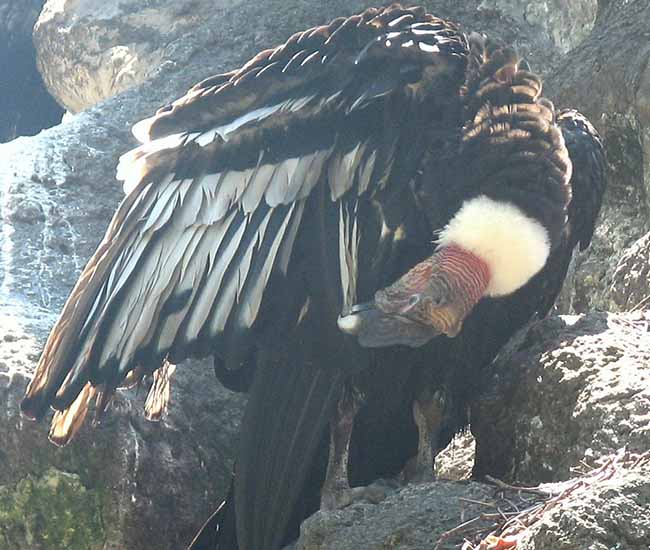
x=336 y=492
x=428 y=413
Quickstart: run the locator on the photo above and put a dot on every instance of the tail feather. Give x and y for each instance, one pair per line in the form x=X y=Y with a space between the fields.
x=286 y=416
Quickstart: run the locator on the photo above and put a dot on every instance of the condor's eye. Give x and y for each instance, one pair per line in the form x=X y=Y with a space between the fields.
x=437 y=297
x=414 y=299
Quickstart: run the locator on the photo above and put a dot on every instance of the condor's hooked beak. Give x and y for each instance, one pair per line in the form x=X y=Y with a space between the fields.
x=374 y=328
x=432 y=298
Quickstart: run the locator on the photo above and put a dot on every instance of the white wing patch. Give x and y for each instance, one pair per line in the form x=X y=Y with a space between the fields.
x=196 y=253
x=191 y=258
x=348 y=253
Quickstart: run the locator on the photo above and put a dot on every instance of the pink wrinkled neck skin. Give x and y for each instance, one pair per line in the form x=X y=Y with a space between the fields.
x=467 y=270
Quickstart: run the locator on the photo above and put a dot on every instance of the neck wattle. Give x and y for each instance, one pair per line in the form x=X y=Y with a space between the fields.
x=465 y=270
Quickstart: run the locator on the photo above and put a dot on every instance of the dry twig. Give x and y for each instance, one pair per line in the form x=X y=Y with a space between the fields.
x=503 y=529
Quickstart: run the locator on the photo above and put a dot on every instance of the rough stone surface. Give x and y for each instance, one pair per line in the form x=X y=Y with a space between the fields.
x=456 y=461
x=411 y=519
x=600 y=510
x=631 y=281
x=152 y=485
x=609 y=515
x=89 y=50
x=608 y=77
x=567 y=22
x=26 y=105
x=564 y=392
x=126 y=483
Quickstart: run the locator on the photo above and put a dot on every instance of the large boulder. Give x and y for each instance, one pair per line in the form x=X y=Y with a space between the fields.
x=565 y=392
x=607 y=76
x=565 y=23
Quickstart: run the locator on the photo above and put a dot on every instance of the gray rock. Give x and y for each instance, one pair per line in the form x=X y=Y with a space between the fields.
x=602 y=509
x=125 y=483
x=607 y=76
x=609 y=514
x=411 y=519
x=630 y=288
x=566 y=23
x=563 y=393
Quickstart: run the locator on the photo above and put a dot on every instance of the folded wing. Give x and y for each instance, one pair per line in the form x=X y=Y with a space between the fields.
x=217 y=191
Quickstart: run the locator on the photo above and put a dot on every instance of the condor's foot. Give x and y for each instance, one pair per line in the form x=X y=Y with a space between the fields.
x=335 y=498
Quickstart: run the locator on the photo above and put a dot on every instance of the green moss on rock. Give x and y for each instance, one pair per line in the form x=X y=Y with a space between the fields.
x=51 y=512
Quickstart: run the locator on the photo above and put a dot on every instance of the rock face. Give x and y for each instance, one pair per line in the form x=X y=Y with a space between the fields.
x=567 y=23
x=126 y=483
x=610 y=514
x=26 y=107
x=413 y=518
x=608 y=77
x=631 y=281
x=564 y=392
x=131 y=484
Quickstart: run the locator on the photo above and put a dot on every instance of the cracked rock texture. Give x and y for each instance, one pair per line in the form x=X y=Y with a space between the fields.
x=144 y=485
x=566 y=22
x=566 y=390
x=413 y=518
x=611 y=515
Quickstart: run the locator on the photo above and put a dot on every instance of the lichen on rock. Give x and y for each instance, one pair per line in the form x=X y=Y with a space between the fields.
x=51 y=512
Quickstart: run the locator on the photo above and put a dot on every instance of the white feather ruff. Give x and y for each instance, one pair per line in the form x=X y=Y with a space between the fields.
x=514 y=245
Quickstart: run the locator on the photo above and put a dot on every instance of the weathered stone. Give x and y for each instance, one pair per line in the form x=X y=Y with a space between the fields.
x=564 y=392
x=606 y=515
x=606 y=76
x=147 y=485
x=630 y=288
x=602 y=509
x=154 y=483
x=456 y=461
x=413 y=518
x=566 y=22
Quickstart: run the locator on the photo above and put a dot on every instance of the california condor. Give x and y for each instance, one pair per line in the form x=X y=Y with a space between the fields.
x=373 y=207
